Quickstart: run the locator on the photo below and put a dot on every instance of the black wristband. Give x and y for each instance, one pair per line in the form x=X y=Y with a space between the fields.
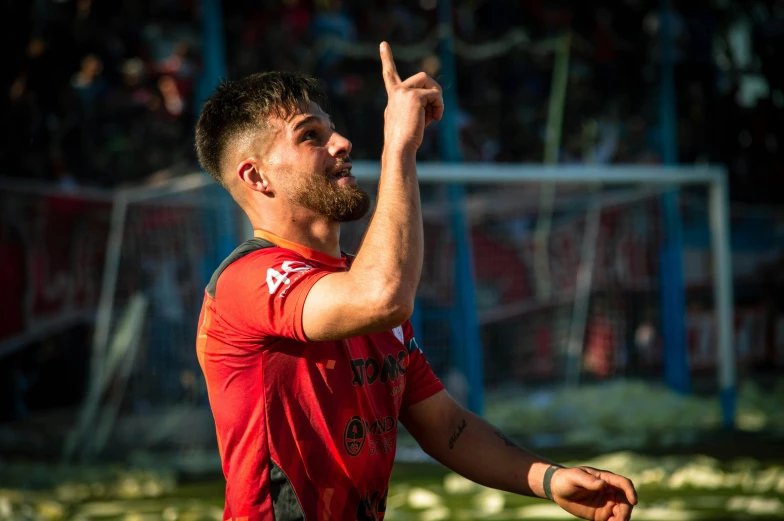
x=548 y=476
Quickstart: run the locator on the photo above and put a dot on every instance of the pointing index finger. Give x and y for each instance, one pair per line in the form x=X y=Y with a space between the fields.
x=388 y=69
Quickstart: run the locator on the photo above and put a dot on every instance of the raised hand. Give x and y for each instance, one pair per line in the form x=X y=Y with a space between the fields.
x=594 y=494
x=412 y=104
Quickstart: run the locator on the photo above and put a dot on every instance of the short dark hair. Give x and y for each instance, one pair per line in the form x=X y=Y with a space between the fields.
x=244 y=105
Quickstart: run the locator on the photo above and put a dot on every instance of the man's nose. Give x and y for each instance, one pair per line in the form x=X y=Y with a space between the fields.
x=339 y=146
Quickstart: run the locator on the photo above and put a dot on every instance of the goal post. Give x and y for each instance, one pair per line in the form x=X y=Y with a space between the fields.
x=602 y=254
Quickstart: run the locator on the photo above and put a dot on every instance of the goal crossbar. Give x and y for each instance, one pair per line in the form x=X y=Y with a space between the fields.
x=516 y=172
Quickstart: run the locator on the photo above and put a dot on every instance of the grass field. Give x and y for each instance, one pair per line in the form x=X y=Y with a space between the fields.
x=671 y=488
x=685 y=466
x=699 y=489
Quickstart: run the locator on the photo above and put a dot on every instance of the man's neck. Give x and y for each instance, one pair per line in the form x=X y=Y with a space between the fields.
x=297 y=225
x=320 y=236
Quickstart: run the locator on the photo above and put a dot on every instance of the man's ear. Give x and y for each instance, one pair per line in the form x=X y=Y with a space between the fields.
x=252 y=176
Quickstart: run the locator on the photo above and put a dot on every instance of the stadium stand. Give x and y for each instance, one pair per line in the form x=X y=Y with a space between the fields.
x=104 y=93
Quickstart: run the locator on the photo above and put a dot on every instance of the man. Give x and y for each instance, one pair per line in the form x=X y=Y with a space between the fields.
x=308 y=355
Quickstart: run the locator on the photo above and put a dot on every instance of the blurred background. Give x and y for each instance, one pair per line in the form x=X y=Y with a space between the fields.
x=604 y=272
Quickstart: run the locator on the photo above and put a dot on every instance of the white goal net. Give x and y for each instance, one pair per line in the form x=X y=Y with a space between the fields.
x=564 y=286
x=146 y=389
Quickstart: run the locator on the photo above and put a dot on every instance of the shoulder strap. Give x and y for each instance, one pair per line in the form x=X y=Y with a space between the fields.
x=243 y=249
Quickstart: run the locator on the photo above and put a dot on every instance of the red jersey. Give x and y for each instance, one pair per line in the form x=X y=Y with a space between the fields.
x=306 y=430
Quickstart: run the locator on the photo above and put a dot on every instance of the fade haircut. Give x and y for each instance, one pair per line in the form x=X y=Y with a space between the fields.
x=245 y=105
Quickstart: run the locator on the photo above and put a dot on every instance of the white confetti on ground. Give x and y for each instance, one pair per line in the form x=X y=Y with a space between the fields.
x=546 y=511
x=698 y=476
x=420 y=499
x=455 y=484
x=489 y=502
x=653 y=415
x=438 y=513
x=662 y=513
x=755 y=505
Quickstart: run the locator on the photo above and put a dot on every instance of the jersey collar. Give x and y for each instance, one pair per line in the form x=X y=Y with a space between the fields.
x=306 y=252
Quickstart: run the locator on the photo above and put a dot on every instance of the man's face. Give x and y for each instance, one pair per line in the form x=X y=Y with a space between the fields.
x=310 y=166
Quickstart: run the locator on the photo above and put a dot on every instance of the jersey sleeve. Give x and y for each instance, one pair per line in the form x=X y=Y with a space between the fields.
x=263 y=294
x=421 y=381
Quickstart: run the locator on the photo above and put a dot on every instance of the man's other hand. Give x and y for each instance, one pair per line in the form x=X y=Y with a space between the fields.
x=593 y=494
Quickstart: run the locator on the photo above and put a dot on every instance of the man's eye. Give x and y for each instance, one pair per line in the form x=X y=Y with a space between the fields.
x=310 y=134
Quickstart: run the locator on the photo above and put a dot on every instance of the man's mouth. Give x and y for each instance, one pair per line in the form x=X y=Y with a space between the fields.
x=343 y=171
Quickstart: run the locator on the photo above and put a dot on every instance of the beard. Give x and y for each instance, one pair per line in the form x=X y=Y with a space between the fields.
x=320 y=193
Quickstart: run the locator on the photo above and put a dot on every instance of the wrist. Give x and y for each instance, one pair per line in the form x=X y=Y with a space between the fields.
x=547 y=480
x=401 y=160
x=399 y=150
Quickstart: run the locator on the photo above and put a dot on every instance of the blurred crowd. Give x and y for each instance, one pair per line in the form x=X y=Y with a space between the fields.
x=103 y=93
x=98 y=93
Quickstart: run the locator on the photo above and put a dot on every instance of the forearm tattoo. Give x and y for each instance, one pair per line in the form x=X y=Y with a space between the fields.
x=456 y=434
x=548 y=477
x=507 y=441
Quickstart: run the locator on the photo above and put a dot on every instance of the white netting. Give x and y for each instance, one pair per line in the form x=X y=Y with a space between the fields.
x=602 y=267
x=581 y=303
x=146 y=388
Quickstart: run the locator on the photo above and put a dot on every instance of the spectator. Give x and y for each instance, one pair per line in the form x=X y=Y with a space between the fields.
x=108 y=95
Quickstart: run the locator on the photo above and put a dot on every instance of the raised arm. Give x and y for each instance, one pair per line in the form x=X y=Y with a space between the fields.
x=377 y=293
x=470 y=446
